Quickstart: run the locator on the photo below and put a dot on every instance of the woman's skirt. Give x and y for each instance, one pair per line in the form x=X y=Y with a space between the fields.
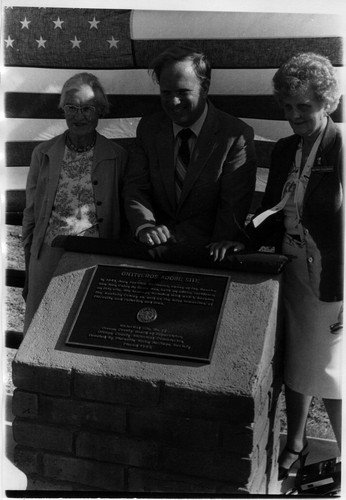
x=313 y=355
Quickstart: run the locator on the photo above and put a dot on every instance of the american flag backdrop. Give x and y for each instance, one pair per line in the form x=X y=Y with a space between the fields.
x=42 y=47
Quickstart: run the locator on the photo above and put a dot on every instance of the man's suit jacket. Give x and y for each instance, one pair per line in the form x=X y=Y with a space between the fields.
x=218 y=186
x=322 y=216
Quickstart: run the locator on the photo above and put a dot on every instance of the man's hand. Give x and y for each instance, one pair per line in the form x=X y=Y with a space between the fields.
x=155 y=235
x=219 y=249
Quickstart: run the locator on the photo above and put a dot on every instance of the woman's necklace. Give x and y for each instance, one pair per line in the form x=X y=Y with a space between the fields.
x=82 y=149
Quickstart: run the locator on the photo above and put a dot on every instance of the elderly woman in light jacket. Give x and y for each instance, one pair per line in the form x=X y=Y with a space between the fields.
x=73 y=187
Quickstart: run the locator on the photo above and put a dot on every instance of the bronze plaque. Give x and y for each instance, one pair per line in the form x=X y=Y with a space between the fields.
x=150 y=311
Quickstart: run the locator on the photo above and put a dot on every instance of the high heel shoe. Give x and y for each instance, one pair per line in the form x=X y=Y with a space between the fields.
x=302 y=455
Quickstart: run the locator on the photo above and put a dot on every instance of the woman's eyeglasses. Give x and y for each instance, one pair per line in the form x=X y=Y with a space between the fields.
x=87 y=111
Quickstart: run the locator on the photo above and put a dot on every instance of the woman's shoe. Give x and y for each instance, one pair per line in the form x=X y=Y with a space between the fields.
x=302 y=455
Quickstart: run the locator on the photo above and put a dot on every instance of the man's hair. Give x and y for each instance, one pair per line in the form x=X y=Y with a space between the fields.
x=77 y=81
x=304 y=71
x=178 y=53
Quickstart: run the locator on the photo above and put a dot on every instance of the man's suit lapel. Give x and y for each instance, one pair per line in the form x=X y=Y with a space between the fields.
x=165 y=153
x=203 y=150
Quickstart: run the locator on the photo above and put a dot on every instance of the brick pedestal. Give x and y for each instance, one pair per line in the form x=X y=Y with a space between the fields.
x=88 y=420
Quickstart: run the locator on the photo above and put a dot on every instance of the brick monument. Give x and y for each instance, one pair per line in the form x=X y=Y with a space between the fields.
x=95 y=420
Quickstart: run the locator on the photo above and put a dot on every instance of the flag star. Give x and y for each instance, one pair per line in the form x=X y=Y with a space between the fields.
x=113 y=43
x=58 y=23
x=41 y=42
x=93 y=23
x=75 y=42
x=25 y=23
x=9 y=42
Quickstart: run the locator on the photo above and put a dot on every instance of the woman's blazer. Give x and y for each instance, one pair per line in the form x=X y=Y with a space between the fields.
x=322 y=216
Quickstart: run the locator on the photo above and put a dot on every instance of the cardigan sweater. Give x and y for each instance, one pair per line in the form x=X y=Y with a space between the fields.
x=107 y=178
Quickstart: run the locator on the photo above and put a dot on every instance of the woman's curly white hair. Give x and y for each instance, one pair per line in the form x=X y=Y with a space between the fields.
x=308 y=71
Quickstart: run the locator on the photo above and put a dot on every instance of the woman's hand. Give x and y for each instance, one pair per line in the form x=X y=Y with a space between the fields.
x=219 y=249
x=155 y=235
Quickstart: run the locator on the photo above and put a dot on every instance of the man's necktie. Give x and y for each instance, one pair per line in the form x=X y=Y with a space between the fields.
x=183 y=159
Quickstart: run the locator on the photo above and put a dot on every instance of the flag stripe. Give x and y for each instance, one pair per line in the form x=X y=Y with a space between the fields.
x=41 y=130
x=18 y=131
x=139 y=81
x=227 y=53
x=43 y=80
x=146 y=25
x=15 y=177
x=18 y=153
x=23 y=105
x=244 y=53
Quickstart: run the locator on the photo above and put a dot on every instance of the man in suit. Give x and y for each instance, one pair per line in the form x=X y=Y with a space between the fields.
x=195 y=188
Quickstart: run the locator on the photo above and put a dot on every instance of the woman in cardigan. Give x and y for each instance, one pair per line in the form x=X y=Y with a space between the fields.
x=303 y=204
x=73 y=186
